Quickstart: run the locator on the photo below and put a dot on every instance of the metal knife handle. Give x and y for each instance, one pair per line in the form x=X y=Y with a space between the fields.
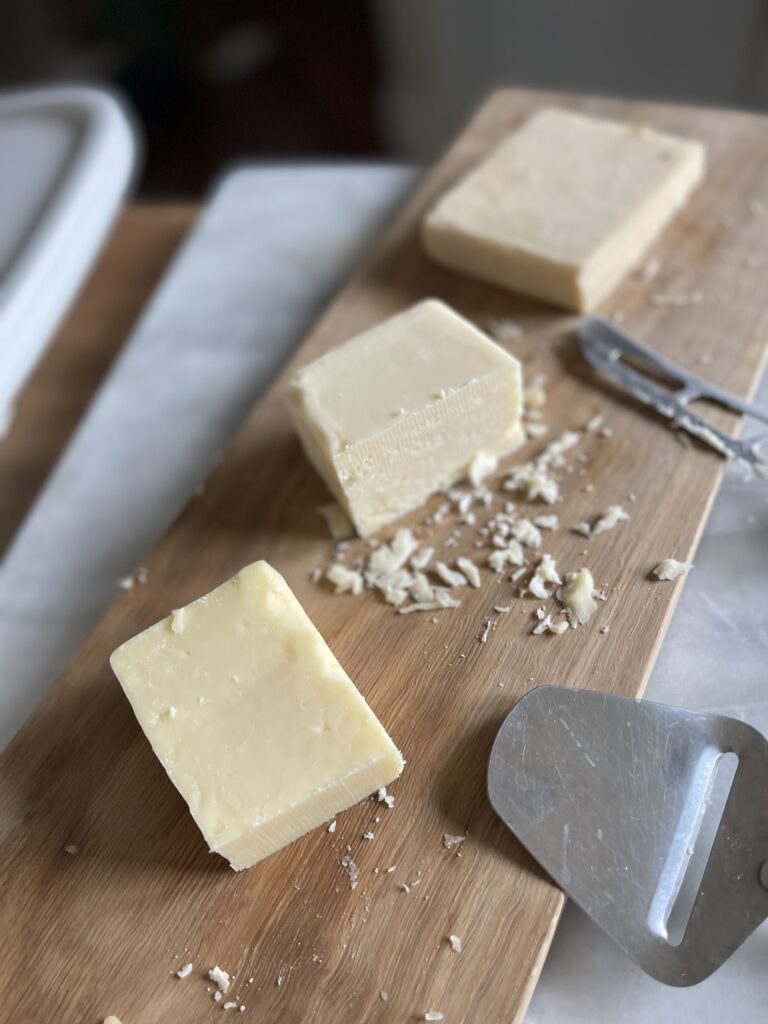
x=605 y=333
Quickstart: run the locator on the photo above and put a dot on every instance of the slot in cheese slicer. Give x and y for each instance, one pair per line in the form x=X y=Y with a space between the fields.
x=637 y=368
x=635 y=810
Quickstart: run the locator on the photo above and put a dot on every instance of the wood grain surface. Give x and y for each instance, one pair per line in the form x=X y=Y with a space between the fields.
x=100 y=931
x=50 y=406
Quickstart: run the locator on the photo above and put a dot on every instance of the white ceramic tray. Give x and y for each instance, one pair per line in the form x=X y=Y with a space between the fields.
x=67 y=159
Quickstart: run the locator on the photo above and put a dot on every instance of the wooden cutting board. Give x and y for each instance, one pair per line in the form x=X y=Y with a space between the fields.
x=101 y=931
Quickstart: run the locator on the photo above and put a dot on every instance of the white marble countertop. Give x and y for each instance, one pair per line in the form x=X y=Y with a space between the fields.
x=242 y=293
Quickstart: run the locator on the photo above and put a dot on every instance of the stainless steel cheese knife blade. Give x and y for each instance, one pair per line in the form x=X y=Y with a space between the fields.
x=620 y=802
x=614 y=352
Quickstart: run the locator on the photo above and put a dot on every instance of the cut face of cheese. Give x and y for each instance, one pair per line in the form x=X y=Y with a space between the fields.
x=253 y=718
x=564 y=207
x=403 y=409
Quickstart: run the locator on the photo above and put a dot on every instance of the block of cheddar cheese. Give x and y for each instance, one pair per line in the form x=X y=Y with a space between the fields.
x=255 y=721
x=401 y=411
x=564 y=207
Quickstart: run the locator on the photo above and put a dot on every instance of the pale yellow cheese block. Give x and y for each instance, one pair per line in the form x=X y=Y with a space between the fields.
x=256 y=723
x=401 y=410
x=564 y=207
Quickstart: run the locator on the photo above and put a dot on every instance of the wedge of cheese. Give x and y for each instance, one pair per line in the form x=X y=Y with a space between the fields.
x=256 y=723
x=403 y=409
x=564 y=207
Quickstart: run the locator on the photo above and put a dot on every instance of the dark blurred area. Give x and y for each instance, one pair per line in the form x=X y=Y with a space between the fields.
x=223 y=80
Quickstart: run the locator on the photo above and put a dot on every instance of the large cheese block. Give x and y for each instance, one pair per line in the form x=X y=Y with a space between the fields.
x=401 y=411
x=564 y=207
x=256 y=723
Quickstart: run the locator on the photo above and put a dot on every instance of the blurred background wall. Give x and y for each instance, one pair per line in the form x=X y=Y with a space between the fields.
x=222 y=80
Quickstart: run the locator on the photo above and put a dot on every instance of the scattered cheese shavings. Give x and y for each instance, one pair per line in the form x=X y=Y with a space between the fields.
x=345 y=581
x=545 y=572
x=671 y=569
x=550 y=522
x=185 y=971
x=422 y=558
x=336 y=520
x=450 y=576
x=483 y=464
x=383 y=996
x=388 y=558
x=368 y=835
x=534 y=396
x=577 y=597
x=526 y=533
x=583 y=528
x=614 y=515
x=455 y=943
x=351 y=868
x=420 y=589
x=505 y=330
x=450 y=841
x=534 y=480
x=546 y=625
x=332 y=827
x=553 y=453
x=485 y=632
x=470 y=570
x=385 y=798
x=230 y=1005
x=220 y=978
x=433 y=1015
x=512 y=554
x=111 y=1019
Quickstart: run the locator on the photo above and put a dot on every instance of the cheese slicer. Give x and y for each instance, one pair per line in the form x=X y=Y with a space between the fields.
x=653 y=819
x=638 y=369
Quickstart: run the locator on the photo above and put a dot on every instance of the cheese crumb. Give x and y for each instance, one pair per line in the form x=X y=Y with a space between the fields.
x=433 y=1015
x=383 y=996
x=185 y=971
x=550 y=522
x=336 y=520
x=505 y=330
x=345 y=581
x=526 y=533
x=220 y=978
x=450 y=841
x=385 y=798
x=534 y=396
x=546 y=572
x=332 y=827
x=351 y=868
x=111 y=1019
x=470 y=570
x=614 y=515
x=422 y=558
x=577 y=596
x=450 y=576
x=671 y=569
x=483 y=464
x=455 y=942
